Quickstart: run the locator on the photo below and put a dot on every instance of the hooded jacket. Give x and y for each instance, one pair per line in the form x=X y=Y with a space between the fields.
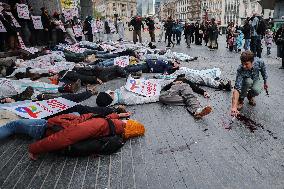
x=75 y=129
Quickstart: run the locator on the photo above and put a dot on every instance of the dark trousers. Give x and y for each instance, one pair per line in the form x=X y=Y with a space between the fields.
x=191 y=38
x=74 y=76
x=138 y=67
x=169 y=36
x=255 y=45
x=178 y=37
x=152 y=35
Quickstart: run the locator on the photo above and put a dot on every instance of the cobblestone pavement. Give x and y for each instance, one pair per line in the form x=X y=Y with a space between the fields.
x=177 y=151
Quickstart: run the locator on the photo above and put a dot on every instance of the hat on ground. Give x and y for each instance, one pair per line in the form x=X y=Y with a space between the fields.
x=133 y=129
x=103 y=99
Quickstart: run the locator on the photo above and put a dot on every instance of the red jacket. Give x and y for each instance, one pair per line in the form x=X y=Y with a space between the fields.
x=76 y=128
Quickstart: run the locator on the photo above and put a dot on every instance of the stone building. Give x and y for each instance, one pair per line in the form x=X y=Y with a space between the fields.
x=188 y=9
x=123 y=8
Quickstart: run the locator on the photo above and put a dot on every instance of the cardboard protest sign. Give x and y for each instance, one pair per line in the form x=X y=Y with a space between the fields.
x=15 y=22
x=41 y=109
x=23 y=11
x=150 y=87
x=78 y=31
x=122 y=61
x=70 y=13
x=37 y=22
x=2 y=28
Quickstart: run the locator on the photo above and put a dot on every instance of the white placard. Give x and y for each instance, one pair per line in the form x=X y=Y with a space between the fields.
x=70 y=13
x=23 y=11
x=122 y=61
x=41 y=109
x=150 y=87
x=37 y=22
x=2 y=28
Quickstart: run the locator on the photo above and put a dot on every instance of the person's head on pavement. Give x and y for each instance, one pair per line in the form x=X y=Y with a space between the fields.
x=105 y=99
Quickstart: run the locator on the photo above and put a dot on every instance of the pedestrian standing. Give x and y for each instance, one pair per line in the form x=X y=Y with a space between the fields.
x=100 y=27
x=191 y=32
x=247 y=34
x=169 y=31
x=137 y=24
x=87 y=28
x=162 y=30
x=256 y=36
x=107 y=29
x=198 y=34
x=121 y=29
x=187 y=34
x=46 y=22
x=151 y=27
x=268 y=41
x=279 y=39
x=205 y=33
x=213 y=34
x=179 y=29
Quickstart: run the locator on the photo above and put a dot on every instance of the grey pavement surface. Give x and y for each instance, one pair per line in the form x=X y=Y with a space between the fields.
x=176 y=151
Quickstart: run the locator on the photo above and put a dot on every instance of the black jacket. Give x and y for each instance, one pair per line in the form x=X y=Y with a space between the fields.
x=246 y=31
x=151 y=25
x=169 y=26
x=137 y=24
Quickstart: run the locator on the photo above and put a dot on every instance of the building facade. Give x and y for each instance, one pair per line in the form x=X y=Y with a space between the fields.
x=213 y=9
x=188 y=9
x=122 y=8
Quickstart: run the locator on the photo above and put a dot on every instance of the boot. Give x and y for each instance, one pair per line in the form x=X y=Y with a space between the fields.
x=202 y=112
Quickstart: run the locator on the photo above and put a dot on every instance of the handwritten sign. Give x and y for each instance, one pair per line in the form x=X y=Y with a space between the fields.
x=37 y=22
x=15 y=22
x=23 y=11
x=2 y=28
x=41 y=109
x=122 y=61
x=78 y=31
x=150 y=87
x=70 y=13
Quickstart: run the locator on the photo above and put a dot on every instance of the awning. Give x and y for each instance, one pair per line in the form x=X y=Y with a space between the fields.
x=267 y=4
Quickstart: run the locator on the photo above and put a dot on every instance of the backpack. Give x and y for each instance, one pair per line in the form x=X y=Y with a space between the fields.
x=101 y=146
x=261 y=27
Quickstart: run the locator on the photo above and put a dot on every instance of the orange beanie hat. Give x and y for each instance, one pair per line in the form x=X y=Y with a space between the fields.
x=133 y=129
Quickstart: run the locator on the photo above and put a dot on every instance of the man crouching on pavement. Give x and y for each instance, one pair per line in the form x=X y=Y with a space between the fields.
x=248 y=82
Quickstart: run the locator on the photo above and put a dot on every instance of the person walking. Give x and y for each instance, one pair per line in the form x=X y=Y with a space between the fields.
x=191 y=32
x=179 y=29
x=87 y=28
x=162 y=30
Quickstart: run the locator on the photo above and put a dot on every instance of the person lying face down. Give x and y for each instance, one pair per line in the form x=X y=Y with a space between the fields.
x=73 y=129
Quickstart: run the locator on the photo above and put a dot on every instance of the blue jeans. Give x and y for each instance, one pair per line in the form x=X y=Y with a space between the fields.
x=107 y=63
x=106 y=56
x=247 y=44
x=34 y=128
